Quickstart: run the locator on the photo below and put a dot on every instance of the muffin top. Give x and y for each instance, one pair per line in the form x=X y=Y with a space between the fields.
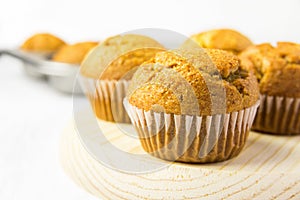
x=225 y=39
x=73 y=54
x=118 y=56
x=193 y=82
x=276 y=68
x=42 y=42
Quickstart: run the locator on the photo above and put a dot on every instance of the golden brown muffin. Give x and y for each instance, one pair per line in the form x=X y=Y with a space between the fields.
x=201 y=71
x=112 y=63
x=117 y=55
x=42 y=43
x=225 y=39
x=73 y=54
x=192 y=105
x=278 y=72
x=277 y=68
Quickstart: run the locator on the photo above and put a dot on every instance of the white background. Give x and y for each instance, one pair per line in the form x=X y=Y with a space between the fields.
x=32 y=115
x=261 y=20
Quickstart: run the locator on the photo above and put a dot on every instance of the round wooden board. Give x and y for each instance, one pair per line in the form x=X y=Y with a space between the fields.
x=267 y=168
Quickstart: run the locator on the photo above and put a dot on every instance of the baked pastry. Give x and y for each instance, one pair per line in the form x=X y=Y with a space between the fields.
x=278 y=72
x=44 y=44
x=74 y=53
x=225 y=39
x=107 y=70
x=193 y=105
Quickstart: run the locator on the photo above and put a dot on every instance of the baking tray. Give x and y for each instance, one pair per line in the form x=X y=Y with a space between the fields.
x=61 y=76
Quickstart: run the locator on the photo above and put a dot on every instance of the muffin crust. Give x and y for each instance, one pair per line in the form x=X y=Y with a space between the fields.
x=276 y=68
x=73 y=54
x=117 y=55
x=225 y=39
x=193 y=82
x=42 y=42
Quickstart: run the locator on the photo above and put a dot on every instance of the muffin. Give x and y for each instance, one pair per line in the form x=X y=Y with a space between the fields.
x=192 y=105
x=73 y=54
x=278 y=72
x=107 y=70
x=225 y=39
x=43 y=44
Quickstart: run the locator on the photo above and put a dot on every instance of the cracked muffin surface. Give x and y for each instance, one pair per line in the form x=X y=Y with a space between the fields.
x=193 y=82
x=276 y=68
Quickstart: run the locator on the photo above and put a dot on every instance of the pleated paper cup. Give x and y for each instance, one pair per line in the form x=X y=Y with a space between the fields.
x=278 y=115
x=194 y=139
x=106 y=97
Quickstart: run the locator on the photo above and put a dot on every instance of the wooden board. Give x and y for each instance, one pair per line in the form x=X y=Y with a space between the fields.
x=267 y=168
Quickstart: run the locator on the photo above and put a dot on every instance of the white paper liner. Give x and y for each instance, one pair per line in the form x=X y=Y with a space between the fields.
x=185 y=138
x=106 y=97
x=278 y=115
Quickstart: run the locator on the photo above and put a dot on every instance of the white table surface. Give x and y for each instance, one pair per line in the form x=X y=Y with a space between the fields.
x=32 y=117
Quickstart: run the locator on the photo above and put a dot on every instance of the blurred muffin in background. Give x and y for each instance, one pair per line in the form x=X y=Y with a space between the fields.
x=74 y=53
x=278 y=72
x=108 y=69
x=225 y=39
x=44 y=44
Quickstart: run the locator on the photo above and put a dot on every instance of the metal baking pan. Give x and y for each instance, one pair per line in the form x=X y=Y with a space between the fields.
x=61 y=76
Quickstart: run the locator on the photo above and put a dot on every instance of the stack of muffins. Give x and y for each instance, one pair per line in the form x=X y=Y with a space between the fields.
x=197 y=103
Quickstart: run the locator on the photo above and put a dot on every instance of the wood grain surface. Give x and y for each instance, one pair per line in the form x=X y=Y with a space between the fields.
x=267 y=168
